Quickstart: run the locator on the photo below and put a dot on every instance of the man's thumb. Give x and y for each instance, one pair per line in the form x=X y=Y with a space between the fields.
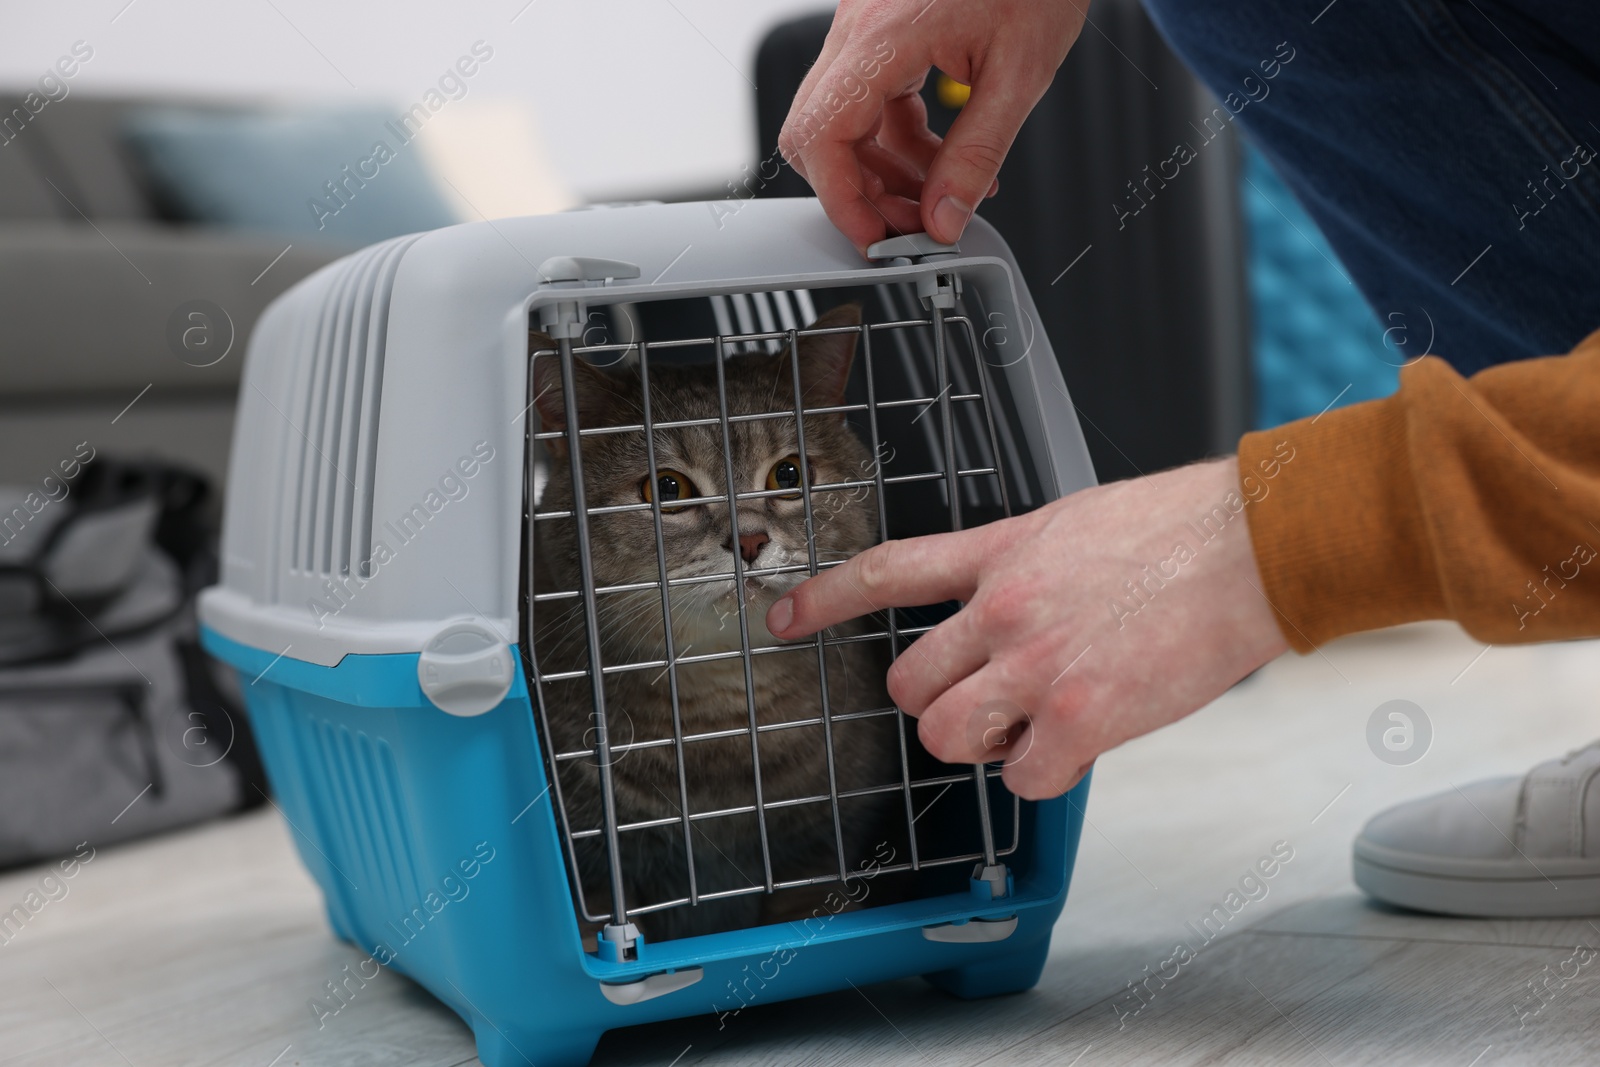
x=964 y=168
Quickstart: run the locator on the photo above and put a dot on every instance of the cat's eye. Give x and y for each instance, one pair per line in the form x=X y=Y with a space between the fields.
x=669 y=485
x=785 y=474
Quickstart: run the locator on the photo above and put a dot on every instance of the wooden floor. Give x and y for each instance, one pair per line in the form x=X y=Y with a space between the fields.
x=205 y=947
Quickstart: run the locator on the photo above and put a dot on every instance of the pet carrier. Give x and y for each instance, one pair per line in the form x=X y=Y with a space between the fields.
x=390 y=493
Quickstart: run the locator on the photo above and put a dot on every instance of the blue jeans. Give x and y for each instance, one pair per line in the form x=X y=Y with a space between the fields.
x=1449 y=149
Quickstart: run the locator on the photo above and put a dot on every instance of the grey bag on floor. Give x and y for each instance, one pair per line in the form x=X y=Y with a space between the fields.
x=111 y=724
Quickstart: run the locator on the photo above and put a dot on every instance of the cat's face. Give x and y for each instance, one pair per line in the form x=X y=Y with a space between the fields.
x=692 y=462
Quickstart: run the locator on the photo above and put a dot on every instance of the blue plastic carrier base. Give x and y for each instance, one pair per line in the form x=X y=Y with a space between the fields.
x=434 y=842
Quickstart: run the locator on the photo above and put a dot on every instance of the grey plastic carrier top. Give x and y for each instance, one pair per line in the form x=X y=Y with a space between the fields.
x=391 y=387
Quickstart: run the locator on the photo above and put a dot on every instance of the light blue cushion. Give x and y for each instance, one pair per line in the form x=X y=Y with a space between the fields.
x=271 y=171
x=1315 y=335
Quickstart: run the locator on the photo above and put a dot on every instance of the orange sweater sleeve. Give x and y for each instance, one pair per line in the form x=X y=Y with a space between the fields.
x=1474 y=499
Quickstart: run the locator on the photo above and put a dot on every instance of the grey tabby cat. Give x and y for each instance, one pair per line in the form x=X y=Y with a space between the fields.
x=690 y=462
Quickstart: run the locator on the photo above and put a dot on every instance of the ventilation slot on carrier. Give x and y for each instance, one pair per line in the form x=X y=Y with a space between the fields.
x=337 y=424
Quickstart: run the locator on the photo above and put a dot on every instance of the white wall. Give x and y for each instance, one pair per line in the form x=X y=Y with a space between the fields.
x=632 y=96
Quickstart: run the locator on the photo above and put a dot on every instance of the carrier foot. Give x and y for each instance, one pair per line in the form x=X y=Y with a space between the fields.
x=503 y=1046
x=1006 y=974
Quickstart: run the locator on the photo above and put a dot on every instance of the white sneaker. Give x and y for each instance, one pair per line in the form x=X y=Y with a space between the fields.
x=1524 y=847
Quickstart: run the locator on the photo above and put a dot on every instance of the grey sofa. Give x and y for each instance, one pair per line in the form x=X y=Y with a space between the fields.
x=92 y=268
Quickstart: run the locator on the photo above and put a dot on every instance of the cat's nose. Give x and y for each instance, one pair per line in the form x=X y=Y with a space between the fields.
x=749 y=544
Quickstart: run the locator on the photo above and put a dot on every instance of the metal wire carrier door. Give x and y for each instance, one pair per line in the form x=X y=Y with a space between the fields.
x=920 y=398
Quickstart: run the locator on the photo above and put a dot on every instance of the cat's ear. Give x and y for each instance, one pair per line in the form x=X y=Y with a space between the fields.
x=598 y=391
x=825 y=361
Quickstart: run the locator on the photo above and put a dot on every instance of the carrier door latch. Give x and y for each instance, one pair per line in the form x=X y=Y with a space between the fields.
x=973 y=930
x=939 y=289
x=566 y=318
x=992 y=882
x=651 y=986
x=988 y=882
x=465 y=669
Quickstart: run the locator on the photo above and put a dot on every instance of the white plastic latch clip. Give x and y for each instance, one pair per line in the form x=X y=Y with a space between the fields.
x=990 y=883
x=973 y=931
x=466 y=668
x=939 y=289
x=585 y=269
x=912 y=247
x=566 y=318
x=651 y=986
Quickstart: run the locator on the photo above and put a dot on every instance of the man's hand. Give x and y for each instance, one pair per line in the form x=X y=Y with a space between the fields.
x=1093 y=620
x=858 y=131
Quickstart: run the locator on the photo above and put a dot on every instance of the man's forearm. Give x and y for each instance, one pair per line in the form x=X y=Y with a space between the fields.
x=1469 y=499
